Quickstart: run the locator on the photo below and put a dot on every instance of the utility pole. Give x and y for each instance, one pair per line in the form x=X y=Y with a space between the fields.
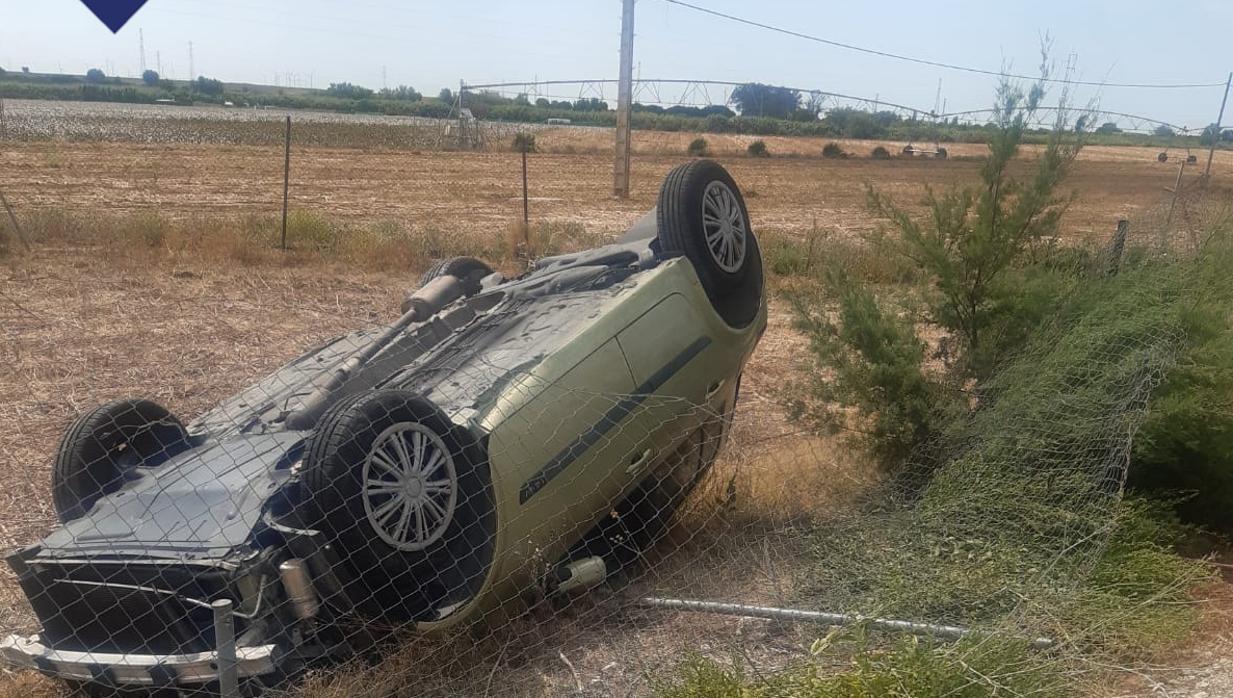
x=1219 y=120
x=141 y=45
x=625 y=95
x=191 y=77
x=158 y=61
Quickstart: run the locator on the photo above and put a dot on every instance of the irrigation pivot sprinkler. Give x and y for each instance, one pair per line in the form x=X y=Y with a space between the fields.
x=1211 y=149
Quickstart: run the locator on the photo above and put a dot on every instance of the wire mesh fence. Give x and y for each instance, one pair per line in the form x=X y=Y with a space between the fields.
x=540 y=486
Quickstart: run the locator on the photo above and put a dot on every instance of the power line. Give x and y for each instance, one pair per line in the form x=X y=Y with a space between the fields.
x=936 y=64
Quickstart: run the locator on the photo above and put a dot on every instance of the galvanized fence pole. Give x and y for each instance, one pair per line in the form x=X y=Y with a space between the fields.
x=526 y=211
x=224 y=641
x=21 y=236
x=286 y=178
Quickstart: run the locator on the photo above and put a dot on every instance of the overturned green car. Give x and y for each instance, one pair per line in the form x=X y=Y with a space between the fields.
x=501 y=435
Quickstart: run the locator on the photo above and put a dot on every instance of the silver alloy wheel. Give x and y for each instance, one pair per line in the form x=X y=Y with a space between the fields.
x=724 y=226
x=410 y=486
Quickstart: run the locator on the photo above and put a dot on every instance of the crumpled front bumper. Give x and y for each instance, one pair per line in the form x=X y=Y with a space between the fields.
x=122 y=669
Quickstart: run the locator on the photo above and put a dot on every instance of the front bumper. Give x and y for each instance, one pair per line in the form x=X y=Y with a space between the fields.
x=122 y=669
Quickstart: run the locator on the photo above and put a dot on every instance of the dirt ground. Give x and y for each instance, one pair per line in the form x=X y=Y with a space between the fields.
x=482 y=190
x=77 y=328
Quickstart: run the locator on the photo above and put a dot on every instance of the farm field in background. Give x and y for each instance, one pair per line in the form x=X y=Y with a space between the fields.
x=481 y=191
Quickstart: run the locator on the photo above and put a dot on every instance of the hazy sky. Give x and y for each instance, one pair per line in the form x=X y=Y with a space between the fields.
x=433 y=44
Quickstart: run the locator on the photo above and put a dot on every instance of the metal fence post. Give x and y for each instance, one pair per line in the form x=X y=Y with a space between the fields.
x=526 y=211
x=286 y=177
x=224 y=641
x=21 y=236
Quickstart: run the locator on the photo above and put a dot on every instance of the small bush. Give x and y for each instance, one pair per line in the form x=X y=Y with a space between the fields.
x=1186 y=442
x=978 y=668
x=833 y=151
x=880 y=153
x=698 y=148
x=523 y=143
x=758 y=149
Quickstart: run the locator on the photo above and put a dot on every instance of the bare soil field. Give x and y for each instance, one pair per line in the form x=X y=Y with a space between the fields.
x=481 y=191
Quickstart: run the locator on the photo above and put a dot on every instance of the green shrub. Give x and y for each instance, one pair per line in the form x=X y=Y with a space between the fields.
x=832 y=151
x=874 y=365
x=910 y=668
x=523 y=143
x=1186 y=442
x=758 y=149
x=880 y=153
x=698 y=148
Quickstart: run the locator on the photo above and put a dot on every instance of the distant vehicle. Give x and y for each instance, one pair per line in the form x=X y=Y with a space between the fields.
x=556 y=120
x=228 y=104
x=164 y=100
x=938 y=152
x=502 y=434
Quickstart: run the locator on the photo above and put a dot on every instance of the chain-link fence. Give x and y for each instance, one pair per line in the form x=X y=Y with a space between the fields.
x=540 y=485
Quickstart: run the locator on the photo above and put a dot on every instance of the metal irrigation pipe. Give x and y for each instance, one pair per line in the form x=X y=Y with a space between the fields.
x=946 y=632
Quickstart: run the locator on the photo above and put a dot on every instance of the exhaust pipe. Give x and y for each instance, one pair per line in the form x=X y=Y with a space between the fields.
x=300 y=589
x=420 y=306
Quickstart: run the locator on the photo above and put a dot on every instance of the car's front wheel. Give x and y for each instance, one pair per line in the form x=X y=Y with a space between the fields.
x=404 y=497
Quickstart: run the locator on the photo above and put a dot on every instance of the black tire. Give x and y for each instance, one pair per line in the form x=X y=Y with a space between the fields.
x=736 y=291
x=101 y=446
x=380 y=579
x=941 y=154
x=1162 y=157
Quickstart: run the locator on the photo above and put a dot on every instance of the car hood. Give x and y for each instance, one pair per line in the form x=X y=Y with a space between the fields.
x=202 y=503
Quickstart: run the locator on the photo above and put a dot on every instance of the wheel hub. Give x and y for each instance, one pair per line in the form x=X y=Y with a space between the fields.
x=723 y=226
x=410 y=486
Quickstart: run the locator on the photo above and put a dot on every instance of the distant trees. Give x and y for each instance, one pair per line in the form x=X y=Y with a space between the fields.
x=96 y=76
x=1163 y=130
x=348 y=91
x=150 y=77
x=1108 y=127
x=756 y=99
x=592 y=104
x=207 y=86
x=445 y=95
x=1210 y=134
x=402 y=93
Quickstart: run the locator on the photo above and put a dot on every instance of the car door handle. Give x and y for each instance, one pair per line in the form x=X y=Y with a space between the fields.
x=715 y=388
x=639 y=461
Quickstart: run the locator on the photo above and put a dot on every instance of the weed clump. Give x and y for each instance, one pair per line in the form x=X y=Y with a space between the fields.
x=758 y=149
x=880 y=153
x=698 y=148
x=523 y=143
x=833 y=151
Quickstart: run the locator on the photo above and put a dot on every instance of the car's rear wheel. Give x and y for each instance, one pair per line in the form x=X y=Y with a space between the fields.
x=101 y=446
x=702 y=216
x=405 y=499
